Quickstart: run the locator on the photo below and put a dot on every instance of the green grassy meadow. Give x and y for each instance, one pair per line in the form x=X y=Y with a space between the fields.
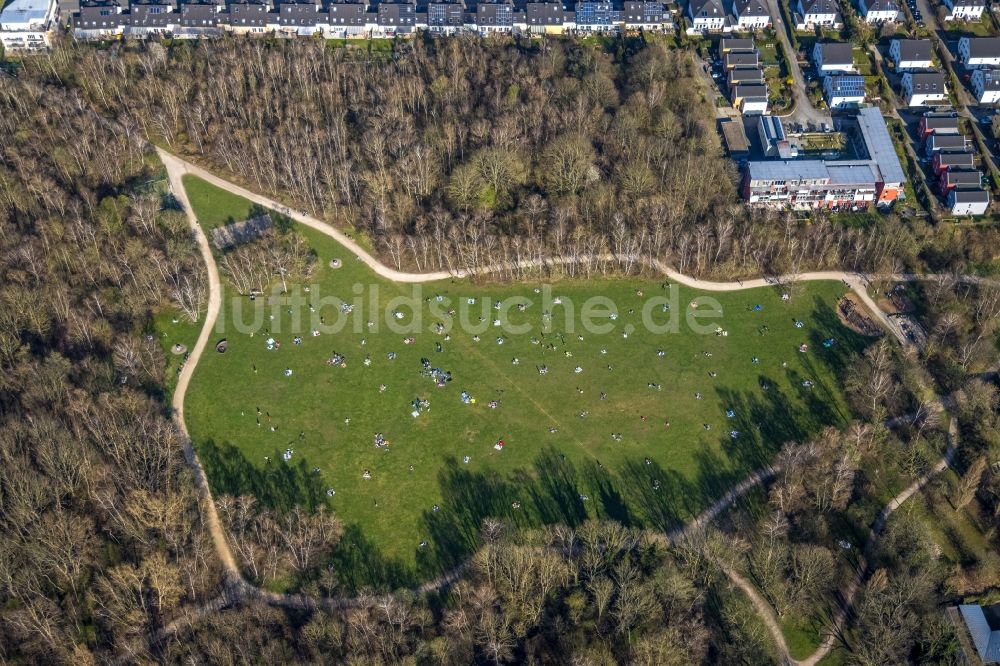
x=593 y=443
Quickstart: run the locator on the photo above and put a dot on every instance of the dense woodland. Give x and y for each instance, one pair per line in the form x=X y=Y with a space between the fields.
x=459 y=151
x=465 y=152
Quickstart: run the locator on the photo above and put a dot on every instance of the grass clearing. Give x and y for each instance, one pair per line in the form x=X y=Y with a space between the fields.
x=655 y=476
x=802 y=635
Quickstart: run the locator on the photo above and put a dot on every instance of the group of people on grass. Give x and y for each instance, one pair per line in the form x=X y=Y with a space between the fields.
x=556 y=342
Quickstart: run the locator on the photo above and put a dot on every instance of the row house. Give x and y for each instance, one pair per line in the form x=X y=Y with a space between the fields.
x=965 y=202
x=964 y=10
x=710 y=16
x=812 y=14
x=877 y=12
x=751 y=15
x=102 y=19
x=937 y=123
x=952 y=178
x=943 y=160
x=744 y=75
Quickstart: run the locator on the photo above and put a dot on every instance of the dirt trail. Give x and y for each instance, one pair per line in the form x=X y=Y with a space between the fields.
x=238 y=589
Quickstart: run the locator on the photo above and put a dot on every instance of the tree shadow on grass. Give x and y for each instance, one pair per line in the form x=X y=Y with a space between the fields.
x=360 y=564
x=280 y=485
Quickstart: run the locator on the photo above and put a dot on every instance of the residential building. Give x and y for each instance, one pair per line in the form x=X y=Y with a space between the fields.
x=983 y=622
x=986 y=85
x=152 y=17
x=974 y=201
x=544 y=17
x=878 y=180
x=751 y=15
x=879 y=11
x=198 y=19
x=26 y=25
x=745 y=75
x=347 y=18
x=735 y=59
x=911 y=54
x=976 y=52
x=937 y=123
x=597 y=17
x=395 y=18
x=938 y=142
x=952 y=178
x=964 y=10
x=924 y=88
x=749 y=98
x=244 y=18
x=300 y=17
x=811 y=14
x=732 y=44
x=494 y=17
x=641 y=15
x=953 y=159
x=100 y=19
x=707 y=16
x=843 y=91
x=833 y=57
x=772 y=138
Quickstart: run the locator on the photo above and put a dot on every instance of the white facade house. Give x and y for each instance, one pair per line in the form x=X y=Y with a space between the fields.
x=843 y=91
x=27 y=24
x=976 y=52
x=751 y=15
x=879 y=11
x=750 y=98
x=923 y=88
x=707 y=16
x=910 y=54
x=986 y=85
x=968 y=201
x=833 y=58
x=964 y=10
x=811 y=14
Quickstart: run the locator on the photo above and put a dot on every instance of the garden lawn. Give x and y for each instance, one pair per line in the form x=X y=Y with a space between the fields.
x=560 y=462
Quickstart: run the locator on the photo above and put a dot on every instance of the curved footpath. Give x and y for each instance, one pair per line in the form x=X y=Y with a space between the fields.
x=237 y=588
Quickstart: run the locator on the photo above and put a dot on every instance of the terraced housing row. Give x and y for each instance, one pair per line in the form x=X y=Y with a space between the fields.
x=109 y=19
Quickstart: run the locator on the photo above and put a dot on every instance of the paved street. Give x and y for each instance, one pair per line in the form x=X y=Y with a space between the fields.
x=804 y=111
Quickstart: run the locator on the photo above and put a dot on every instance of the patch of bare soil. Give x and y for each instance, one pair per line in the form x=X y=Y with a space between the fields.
x=852 y=315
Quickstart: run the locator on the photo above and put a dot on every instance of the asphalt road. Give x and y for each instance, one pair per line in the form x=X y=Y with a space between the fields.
x=804 y=112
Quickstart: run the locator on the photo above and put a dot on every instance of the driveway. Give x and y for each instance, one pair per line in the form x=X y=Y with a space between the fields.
x=804 y=112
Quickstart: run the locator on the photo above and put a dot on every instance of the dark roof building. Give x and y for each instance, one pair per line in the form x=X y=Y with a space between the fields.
x=640 y=13
x=101 y=16
x=494 y=15
x=543 y=14
x=445 y=14
x=246 y=15
x=200 y=14
x=299 y=13
x=343 y=15
x=397 y=15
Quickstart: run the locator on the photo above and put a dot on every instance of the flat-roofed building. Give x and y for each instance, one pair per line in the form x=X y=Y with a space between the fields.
x=26 y=25
x=879 y=179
